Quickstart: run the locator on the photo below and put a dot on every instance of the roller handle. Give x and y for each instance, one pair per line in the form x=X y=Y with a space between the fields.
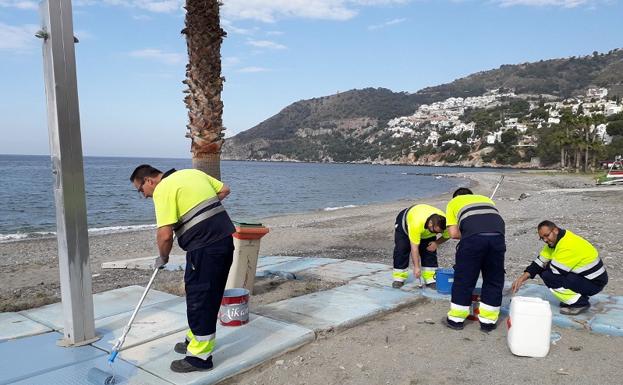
x=112 y=356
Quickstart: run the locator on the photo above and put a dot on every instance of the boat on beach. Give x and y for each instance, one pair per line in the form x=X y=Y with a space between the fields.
x=615 y=172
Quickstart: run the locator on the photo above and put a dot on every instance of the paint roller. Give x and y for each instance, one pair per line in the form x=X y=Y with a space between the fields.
x=496 y=187
x=99 y=377
x=126 y=330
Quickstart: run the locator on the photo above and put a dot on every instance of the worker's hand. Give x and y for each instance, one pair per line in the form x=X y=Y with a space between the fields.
x=161 y=261
x=417 y=272
x=519 y=281
x=432 y=246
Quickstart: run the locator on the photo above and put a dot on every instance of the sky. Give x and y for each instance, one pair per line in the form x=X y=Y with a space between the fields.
x=131 y=58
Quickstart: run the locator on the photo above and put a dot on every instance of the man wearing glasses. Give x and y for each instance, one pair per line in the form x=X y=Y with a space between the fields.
x=569 y=266
x=188 y=202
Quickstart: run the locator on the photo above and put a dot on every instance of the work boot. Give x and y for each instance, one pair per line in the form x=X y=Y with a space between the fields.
x=574 y=310
x=185 y=365
x=180 y=347
x=487 y=327
x=452 y=324
x=397 y=284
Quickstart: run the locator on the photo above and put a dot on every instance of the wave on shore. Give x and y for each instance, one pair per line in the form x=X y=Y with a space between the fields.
x=5 y=238
x=339 y=208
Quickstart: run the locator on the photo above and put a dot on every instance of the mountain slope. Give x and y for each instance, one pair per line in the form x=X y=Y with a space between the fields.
x=350 y=126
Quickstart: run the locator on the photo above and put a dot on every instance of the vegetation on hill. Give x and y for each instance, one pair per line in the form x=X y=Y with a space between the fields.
x=353 y=126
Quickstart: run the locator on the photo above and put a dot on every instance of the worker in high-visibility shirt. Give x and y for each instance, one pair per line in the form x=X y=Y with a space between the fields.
x=188 y=202
x=569 y=266
x=475 y=220
x=415 y=238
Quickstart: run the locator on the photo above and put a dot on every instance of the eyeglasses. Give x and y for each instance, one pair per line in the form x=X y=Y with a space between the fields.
x=546 y=236
x=139 y=190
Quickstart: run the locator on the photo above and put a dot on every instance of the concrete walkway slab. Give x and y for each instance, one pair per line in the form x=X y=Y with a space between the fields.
x=274 y=260
x=82 y=374
x=176 y=262
x=15 y=325
x=25 y=358
x=343 y=271
x=605 y=315
x=341 y=307
x=154 y=322
x=294 y=266
x=105 y=304
x=237 y=349
x=384 y=279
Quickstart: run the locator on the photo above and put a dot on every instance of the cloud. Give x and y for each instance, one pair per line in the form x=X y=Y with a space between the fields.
x=19 y=38
x=386 y=24
x=543 y=3
x=156 y=6
x=230 y=28
x=265 y=44
x=19 y=4
x=253 y=69
x=271 y=10
x=159 y=56
x=230 y=61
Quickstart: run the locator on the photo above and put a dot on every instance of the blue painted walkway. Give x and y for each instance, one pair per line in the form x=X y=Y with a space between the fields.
x=274 y=329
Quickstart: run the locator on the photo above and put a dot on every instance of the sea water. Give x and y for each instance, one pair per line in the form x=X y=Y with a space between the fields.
x=259 y=190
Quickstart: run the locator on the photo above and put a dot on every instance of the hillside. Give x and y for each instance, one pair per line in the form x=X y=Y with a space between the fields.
x=361 y=125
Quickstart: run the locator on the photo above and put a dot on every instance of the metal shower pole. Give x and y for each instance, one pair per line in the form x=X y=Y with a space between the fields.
x=61 y=87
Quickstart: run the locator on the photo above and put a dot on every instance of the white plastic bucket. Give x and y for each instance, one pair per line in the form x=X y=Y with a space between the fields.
x=529 y=326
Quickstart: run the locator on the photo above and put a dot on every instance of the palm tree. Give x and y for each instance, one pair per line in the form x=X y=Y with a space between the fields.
x=204 y=36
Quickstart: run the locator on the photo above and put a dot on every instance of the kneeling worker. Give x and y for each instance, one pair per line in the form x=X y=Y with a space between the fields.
x=569 y=266
x=188 y=202
x=415 y=236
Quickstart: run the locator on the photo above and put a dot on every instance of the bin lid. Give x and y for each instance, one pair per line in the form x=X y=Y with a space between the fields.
x=247 y=224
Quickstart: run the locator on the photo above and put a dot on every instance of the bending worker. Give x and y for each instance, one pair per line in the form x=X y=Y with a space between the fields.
x=415 y=236
x=188 y=202
x=569 y=266
x=477 y=223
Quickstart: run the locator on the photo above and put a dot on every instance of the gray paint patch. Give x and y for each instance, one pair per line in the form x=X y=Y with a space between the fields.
x=15 y=325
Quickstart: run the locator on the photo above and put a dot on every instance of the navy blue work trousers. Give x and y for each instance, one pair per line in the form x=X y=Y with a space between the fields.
x=572 y=281
x=402 y=248
x=205 y=277
x=475 y=254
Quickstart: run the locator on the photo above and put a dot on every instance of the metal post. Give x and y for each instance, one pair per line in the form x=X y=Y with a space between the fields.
x=59 y=64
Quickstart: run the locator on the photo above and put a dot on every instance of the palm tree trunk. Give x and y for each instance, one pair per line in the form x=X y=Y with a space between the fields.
x=204 y=36
x=578 y=155
x=586 y=149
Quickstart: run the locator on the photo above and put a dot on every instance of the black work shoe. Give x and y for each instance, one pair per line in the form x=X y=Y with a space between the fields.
x=183 y=366
x=180 y=347
x=574 y=310
x=451 y=324
x=397 y=284
x=432 y=286
x=487 y=327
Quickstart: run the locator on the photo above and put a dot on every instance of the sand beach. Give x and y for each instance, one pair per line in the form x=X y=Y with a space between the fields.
x=406 y=347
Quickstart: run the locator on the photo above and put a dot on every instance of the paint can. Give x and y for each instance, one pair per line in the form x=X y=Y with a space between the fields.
x=234 y=309
x=474 y=309
x=444 y=278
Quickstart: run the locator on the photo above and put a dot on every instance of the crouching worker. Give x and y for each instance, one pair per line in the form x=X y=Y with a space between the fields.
x=569 y=266
x=415 y=238
x=188 y=202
